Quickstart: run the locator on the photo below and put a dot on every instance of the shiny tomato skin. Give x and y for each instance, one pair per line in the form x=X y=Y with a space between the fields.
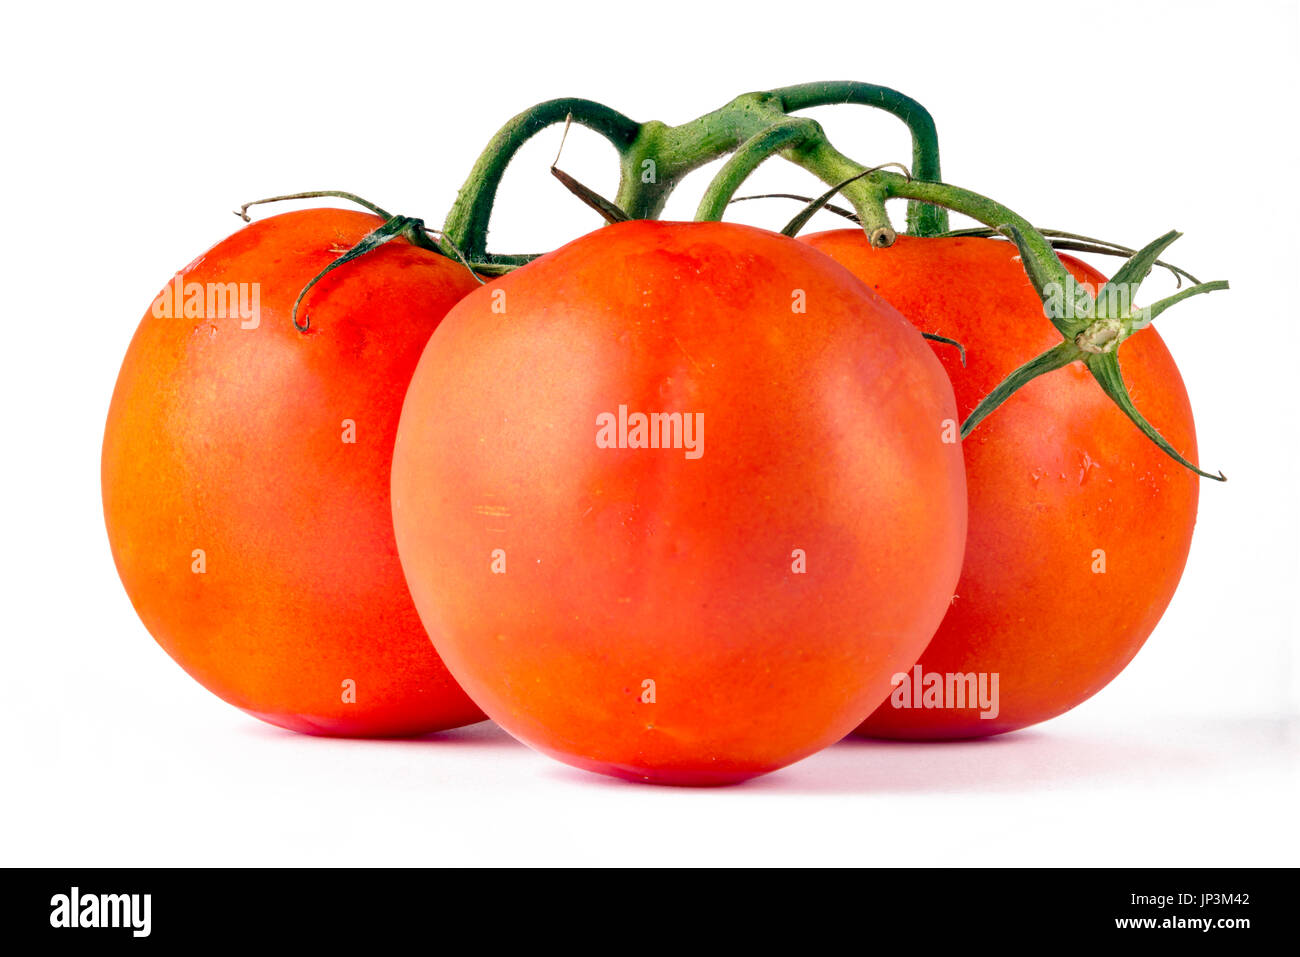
x=1079 y=525
x=632 y=573
x=255 y=543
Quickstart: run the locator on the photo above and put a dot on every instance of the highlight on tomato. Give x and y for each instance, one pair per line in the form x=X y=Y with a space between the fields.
x=675 y=502
x=245 y=474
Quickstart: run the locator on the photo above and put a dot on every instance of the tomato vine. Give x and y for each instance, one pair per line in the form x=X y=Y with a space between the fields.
x=757 y=126
x=752 y=128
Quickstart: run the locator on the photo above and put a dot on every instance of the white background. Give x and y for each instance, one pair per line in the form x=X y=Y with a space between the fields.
x=130 y=134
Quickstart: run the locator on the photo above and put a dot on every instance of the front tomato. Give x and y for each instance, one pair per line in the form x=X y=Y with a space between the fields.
x=675 y=501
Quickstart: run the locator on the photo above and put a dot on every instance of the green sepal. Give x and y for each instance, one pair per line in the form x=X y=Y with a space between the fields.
x=935 y=337
x=1135 y=269
x=610 y=212
x=242 y=212
x=1105 y=369
x=396 y=226
x=1150 y=312
x=1055 y=358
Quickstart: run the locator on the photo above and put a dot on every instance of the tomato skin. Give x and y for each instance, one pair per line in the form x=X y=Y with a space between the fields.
x=230 y=440
x=627 y=565
x=1055 y=474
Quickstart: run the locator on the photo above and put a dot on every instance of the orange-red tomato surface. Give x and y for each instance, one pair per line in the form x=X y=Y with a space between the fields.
x=1079 y=525
x=644 y=612
x=254 y=539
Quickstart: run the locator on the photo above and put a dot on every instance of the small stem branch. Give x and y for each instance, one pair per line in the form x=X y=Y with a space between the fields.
x=747 y=158
x=663 y=155
x=987 y=211
x=922 y=219
x=867 y=194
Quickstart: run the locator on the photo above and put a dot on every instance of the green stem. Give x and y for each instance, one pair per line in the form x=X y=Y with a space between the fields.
x=866 y=194
x=922 y=219
x=662 y=155
x=655 y=157
x=467 y=222
x=747 y=158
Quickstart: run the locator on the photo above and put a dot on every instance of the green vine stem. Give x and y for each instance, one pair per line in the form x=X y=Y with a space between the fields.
x=922 y=219
x=466 y=224
x=654 y=157
x=783 y=135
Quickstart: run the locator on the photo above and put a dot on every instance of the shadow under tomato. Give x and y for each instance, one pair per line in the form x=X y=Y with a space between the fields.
x=829 y=771
x=1031 y=759
x=483 y=734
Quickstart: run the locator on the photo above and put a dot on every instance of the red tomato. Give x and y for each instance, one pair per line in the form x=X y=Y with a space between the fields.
x=1079 y=525
x=704 y=611
x=246 y=471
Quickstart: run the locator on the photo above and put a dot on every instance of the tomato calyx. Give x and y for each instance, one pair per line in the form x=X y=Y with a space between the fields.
x=406 y=227
x=410 y=228
x=1102 y=336
x=1094 y=327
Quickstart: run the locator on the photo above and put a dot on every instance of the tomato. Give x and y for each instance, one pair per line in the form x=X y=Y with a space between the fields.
x=720 y=605
x=246 y=469
x=1079 y=525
